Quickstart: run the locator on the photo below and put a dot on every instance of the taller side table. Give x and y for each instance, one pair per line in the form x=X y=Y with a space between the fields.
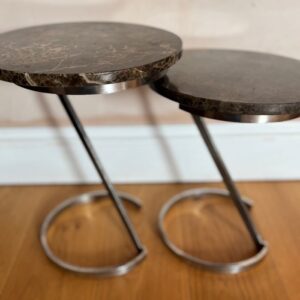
x=237 y=86
x=88 y=58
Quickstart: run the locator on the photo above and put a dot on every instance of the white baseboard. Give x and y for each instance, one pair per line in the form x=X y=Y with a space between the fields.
x=145 y=154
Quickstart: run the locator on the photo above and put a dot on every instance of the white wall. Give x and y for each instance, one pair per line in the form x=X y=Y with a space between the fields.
x=27 y=156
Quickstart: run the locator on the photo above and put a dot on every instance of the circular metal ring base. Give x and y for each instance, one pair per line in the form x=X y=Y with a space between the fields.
x=234 y=267
x=99 y=271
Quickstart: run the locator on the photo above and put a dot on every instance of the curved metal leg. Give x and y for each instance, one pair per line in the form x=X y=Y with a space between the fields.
x=80 y=200
x=111 y=192
x=234 y=195
x=199 y=194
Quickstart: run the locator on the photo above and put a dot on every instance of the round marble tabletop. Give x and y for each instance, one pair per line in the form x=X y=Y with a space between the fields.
x=234 y=85
x=75 y=55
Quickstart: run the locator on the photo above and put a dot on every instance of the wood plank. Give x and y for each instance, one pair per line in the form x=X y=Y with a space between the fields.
x=209 y=228
x=16 y=210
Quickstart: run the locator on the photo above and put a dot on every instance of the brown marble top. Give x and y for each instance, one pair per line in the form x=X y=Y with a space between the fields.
x=81 y=54
x=233 y=82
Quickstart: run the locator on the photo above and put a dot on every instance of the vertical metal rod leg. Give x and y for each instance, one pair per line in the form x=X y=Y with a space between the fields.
x=100 y=170
x=228 y=181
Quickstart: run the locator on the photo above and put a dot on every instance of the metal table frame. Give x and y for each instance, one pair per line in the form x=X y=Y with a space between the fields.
x=241 y=203
x=116 y=197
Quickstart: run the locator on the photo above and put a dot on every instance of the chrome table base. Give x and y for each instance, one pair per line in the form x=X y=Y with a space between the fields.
x=116 y=198
x=242 y=206
x=199 y=194
x=80 y=200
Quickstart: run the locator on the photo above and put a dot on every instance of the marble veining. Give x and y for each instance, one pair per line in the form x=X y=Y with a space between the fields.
x=233 y=82
x=81 y=54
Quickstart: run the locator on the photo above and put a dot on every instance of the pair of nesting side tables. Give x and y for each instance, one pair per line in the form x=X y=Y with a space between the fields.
x=101 y=57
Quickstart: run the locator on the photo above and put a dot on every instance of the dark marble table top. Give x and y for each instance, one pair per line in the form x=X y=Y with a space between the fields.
x=216 y=83
x=83 y=54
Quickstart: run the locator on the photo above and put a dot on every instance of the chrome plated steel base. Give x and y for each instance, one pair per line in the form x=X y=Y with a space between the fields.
x=81 y=200
x=199 y=194
x=242 y=205
x=116 y=198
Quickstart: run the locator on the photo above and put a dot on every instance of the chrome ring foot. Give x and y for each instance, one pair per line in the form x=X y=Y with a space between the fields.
x=114 y=270
x=198 y=194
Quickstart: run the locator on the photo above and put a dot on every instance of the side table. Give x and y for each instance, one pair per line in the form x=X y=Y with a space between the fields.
x=80 y=59
x=236 y=86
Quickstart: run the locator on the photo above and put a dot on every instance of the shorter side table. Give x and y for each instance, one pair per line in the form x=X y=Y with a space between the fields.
x=237 y=86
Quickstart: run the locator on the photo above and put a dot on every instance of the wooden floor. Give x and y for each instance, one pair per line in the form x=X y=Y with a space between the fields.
x=94 y=235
